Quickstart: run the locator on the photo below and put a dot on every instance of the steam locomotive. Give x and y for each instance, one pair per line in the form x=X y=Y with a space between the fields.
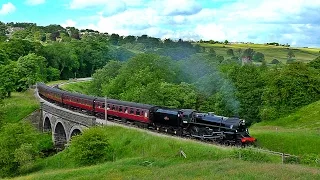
x=182 y=122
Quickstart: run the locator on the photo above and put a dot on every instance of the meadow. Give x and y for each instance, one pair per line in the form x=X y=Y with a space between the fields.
x=270 y=51
x=18 y=106
x=139 y=155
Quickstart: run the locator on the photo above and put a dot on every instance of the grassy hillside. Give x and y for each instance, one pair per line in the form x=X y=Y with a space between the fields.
x=139 y=155
x=307 y=117
x=298 y=133
x=270 y=52
x=79 y=87
x=18 y=106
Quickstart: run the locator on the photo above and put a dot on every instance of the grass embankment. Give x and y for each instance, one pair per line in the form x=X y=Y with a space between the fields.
x=298 y=133
x=139 y=155
x=79 y=87
x=18 y=106
x=270 y=52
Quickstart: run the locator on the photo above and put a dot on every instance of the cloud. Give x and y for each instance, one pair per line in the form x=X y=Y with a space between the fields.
x=69 y=23
x=34 y=2
x=296 y=21
x=7 y=8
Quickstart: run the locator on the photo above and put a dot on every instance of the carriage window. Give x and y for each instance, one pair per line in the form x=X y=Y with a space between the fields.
x=126 y=110
x=131 y=111
x=120 y=108
x=102 y=105
x=108 y=106
x=146 y=114
x=138 y=112
x=113 y=107
x=142 y=113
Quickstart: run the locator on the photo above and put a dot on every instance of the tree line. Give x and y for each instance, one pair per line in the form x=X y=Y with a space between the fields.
x=150 y=70
x=202 y=82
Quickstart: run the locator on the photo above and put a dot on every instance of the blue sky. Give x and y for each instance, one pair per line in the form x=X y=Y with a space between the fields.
x=296 y=22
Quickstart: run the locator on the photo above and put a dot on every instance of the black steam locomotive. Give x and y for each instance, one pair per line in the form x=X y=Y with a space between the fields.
x=182 y=122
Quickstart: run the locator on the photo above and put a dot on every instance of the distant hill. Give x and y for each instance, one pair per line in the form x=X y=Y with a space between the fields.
x=270 y=51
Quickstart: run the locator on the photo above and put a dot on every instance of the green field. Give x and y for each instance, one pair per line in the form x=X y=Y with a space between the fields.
x=298 y=133
x=270 y=52
x=139 y=155
x=19 y=106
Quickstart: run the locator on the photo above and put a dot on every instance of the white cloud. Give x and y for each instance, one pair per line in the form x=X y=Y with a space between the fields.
x=35 y=2
x=69 y=23
x=80 y=4
x=297 y=21
x=7 y=8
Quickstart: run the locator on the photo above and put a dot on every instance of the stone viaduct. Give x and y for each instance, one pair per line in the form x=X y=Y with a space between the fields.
x=63 y=123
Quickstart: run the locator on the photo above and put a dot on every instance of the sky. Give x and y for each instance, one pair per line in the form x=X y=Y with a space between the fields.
x=296 y=22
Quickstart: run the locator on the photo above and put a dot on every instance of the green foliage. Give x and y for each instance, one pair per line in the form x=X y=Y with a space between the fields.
x=104 y=76
x=251 y=155
x=250 y=84
x=258 y=57
x=137 y=73
x=288 y=89
x=275 y=61
x=18 y=148
x=290 y=54
x=8 y=78
x=248 y=53
x=31 y=69
x=230 y=52
x=315 y=63
x=91 y=147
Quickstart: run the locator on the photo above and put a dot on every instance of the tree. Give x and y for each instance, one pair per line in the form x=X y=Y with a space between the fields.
x=103 y=76
x=275 y=61
x=226 y=42
x=8 y=78
x=248 y=53
x=258 y=57
x=212 y=52
x=4 y=58
x=31 y=69
x=289 y=88
x=290 y=54
x=230 y=52
x=114 y=39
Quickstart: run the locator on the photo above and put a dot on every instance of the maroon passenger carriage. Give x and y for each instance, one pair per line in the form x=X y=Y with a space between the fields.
x=123 y=110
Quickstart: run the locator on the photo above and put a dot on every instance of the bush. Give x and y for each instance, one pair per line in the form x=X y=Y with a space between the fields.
x=19 y=148
x=292 y=160
x=251 y=155
x=275 y=61
x=311 y=159
x=91 y=147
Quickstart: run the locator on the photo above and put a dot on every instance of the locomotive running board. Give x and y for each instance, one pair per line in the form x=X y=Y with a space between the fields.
x=205 y=136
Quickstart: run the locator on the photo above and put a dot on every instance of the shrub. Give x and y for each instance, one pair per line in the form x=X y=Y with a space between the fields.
x=251 y=155
x=275 y=61
x=19 y=148
x=91 y=147
x=292 y=160
x=311 y=159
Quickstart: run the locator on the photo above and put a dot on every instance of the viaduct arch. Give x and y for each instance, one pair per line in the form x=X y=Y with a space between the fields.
x=63 y=123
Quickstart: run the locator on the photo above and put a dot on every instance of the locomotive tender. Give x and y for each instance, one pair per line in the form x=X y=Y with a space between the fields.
x=182 y=122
